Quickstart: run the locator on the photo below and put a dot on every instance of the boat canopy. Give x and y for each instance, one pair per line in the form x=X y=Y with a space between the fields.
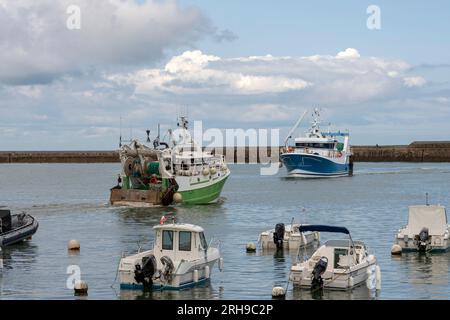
x=323 y=228
x=432 y=217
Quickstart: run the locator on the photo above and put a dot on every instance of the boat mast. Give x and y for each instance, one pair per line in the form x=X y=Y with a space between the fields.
x=294 y=128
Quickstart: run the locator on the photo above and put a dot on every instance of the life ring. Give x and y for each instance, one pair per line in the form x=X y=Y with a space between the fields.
x=153 y=180
x=339 y=154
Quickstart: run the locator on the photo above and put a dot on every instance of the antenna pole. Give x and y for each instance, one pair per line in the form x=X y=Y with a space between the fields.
x=120 y=133
x=294 y=128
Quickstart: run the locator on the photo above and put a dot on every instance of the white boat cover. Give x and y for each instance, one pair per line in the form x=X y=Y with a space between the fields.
x=432 y=217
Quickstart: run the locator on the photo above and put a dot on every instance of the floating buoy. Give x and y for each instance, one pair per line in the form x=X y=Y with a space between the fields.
x=195 y=276
x=251 y=247
x=371 y=278
x=205 y=171
x=74 y=245
x=81 y=287
x=396 y=250
x=221 y=265
x=378 y=276
x=207 y=272
x=224 y=167
x=177 y=197
x=213 y=170
x=278 y=292
x=351 y=282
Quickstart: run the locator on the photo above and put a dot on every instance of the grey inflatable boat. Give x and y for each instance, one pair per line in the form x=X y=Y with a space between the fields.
x=15 y=228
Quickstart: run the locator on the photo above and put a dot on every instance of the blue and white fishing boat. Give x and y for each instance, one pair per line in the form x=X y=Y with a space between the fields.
x=318 y=154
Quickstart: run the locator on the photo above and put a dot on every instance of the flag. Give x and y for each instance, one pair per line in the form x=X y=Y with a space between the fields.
x=162 y=220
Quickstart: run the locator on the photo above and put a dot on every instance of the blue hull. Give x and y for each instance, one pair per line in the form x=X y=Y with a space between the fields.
x=306 y=165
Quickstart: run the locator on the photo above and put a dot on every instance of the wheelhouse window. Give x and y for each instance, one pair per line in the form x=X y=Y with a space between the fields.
x=185 y=241
x=314 y=145
x=203 y=241
x=167 y=240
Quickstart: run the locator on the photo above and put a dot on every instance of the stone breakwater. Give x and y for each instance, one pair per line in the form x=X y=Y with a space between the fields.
x=421 y=151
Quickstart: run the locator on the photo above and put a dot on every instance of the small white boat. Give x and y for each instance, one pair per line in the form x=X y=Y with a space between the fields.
x=337 y=264
x=287 y=237
x=427 y=230
x=180 y=258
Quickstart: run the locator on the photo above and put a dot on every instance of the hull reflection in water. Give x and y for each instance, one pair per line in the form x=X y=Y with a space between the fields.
x=426 y=272
x=200 y=292
x=359 y=293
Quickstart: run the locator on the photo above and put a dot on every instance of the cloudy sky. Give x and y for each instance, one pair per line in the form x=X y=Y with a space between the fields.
x=233 y=64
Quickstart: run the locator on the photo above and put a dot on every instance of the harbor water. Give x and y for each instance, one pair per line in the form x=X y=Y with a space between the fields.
x=70 y=202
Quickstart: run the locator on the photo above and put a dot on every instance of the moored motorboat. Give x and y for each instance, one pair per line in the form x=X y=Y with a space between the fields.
x=427 y=230
x=287 y=237
x=337 y=264
x=180 y=258
x=16 y=228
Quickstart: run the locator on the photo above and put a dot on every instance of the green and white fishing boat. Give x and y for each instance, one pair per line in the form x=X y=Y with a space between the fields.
x=163 y=174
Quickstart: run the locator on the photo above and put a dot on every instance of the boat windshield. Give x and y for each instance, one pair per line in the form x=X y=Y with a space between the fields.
x=203 y=241
x=314 y=145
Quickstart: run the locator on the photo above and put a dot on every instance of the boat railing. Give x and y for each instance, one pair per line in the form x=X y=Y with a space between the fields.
x=327 y=153
x=20 y=227
x=214 y=243
x=140 y=248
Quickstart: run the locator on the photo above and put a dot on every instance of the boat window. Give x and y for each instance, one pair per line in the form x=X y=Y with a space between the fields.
x=185 y=241
x=203 y=241
x=340 y=258
x=315 y=145
x=167 y=240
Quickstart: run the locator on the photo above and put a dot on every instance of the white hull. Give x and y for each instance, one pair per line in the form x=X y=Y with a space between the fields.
x=199 y=181
x=342 y=279
x=304 y=174
x=292 y=241
x=182 y=279
x=429 y=217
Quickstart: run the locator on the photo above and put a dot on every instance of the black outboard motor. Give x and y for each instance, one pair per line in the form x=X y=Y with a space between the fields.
x=318 y=271
x=144 y=274
x=168 y=267
x=278 y=235
x=422 y=239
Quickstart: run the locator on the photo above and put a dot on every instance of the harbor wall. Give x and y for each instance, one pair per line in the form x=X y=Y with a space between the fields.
x=421 y=151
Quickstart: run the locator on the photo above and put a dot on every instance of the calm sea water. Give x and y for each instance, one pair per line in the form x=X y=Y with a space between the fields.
x=70 y=201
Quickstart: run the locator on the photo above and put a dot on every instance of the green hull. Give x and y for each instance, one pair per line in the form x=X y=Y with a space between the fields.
x=203 y=195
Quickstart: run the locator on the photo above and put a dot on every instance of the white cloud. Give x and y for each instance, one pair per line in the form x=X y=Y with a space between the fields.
x=346 y=77
x=266 y=113
x=29 y=91
x=37 y=47
x=189 y=61
x=349 y=53
x=193 y=72
x=414 y=81
x=238 y=92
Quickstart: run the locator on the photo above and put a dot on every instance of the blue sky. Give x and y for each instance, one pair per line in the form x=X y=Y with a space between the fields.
x=234 y=64
x=415 y=31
